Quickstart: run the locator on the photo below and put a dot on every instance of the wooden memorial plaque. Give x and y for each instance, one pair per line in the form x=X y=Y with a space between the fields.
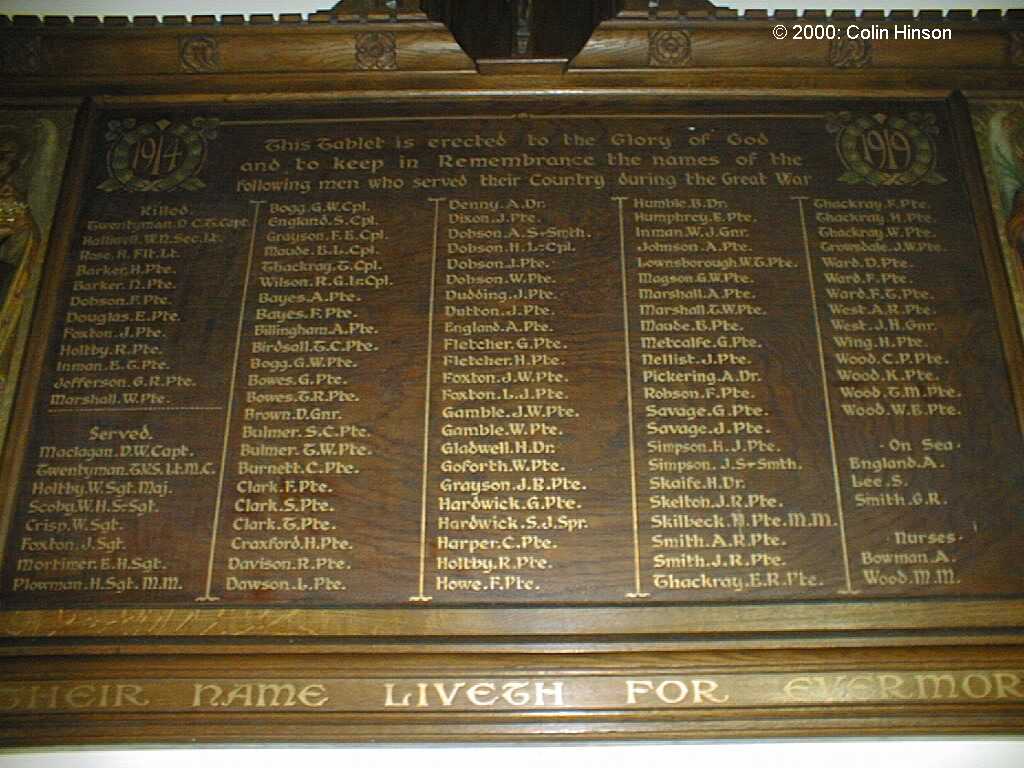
x=622 y=398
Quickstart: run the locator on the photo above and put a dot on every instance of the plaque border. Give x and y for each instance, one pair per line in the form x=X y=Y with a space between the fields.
x=668 y=621
x=699 y=619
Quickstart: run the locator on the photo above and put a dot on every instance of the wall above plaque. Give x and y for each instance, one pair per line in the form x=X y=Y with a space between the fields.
x=375 y=392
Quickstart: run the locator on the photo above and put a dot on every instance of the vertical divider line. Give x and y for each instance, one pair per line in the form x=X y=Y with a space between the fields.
x=209 y=597
x=421 y=597
x=637 y=586
x=828 y=401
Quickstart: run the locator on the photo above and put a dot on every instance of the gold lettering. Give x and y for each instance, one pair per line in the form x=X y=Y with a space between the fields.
x=10 y=698
x=130 y=694
x=516 y=694
x=78 y=696
x=81 y=696
x=314 y=695
x=634 y=687
x=891 y=687
x=1007 y=685
x=258 y=695
x=478 y=693
x=389 y=697
x=276 y=692
x=34 y=702
x=675 y=691
x=935 y=686
x=239 y=695
x=923 y=686
x=860 y=687
x=706 y=689
x=672 y=691
x=968 y=686
x=199 y=688
x=482 y=695
x=554 y=690
x=798 y=689
x=447 y=695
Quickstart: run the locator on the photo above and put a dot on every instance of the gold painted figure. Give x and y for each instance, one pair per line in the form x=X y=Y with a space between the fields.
x=1000 y=129
x=1015 y=169
x=19 y=245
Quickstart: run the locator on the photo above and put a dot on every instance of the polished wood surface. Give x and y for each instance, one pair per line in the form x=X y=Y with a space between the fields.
x=664 y=395
x=865 y=580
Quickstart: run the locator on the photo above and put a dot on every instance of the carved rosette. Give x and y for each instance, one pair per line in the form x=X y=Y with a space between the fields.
x=1017 y=49
x=849 y=54
x=21 y=55
x=669 y=48
x=199 y=53
x=376 y=50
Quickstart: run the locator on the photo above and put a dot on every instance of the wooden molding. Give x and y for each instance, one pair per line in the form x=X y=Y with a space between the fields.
x=331 y=697
x=123 y=671
x=723 y=40
x=60 y=48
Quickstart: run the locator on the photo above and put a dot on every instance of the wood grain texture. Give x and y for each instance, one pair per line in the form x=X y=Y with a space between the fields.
x=977 y=43
x=126 y=674
x=359 y=698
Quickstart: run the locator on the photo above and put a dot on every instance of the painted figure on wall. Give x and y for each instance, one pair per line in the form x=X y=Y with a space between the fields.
x=999 y=126
x=999 y=129
x=1015 y=221
x=33 y=145
x=19 y=244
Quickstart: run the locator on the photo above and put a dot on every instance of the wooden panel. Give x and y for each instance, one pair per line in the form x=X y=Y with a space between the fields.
x=678 y=392
x=622 y=401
